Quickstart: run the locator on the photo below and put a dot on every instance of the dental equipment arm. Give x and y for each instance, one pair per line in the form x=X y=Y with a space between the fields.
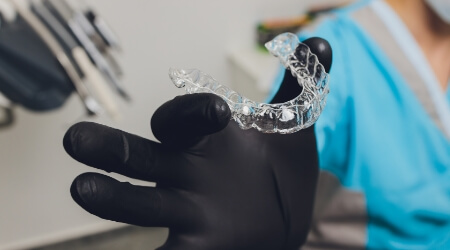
x=22 y=8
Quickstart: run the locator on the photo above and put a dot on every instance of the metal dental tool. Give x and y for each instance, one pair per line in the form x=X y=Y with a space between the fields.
x=100 y=25
x=93 y=76
x=87 y=20
x=73 y=20
x=22 y=7
x=99 y=33
x=104 y=30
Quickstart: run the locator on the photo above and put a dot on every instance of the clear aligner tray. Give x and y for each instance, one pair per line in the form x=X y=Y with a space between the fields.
x=284 y=118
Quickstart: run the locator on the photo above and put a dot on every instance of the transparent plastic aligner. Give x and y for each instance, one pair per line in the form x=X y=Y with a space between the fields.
x=284 y=118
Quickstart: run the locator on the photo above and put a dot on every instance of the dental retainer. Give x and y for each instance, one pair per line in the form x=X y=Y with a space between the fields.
x=284 y=118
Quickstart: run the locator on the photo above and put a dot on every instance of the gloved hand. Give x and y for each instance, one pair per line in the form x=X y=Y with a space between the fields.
x=218 y=187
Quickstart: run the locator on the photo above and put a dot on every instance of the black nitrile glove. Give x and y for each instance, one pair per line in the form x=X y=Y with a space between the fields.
x=218 y=187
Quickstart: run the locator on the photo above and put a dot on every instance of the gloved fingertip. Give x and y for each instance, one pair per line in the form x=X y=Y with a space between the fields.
x=219 y=113
x=90 y=190
x=76 y=135
x=82 y=189
x=185 y=119
x=74 y=191
x=322 y=49
x=70 y=139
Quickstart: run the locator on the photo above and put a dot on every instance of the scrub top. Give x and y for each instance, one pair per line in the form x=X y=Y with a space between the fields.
x=383 y=138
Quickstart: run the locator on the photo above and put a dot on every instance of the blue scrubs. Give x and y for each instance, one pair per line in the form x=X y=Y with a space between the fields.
x=385 y=133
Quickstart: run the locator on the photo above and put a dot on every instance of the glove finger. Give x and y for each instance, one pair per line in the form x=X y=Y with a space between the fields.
x=289 y=88
x=110 y=199
x=183 y=121
x=113 y=150
x=322 y=49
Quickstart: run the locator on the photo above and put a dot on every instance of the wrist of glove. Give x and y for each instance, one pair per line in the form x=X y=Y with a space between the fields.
x=218 y=187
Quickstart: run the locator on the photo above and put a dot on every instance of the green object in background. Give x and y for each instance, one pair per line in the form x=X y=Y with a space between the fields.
x=269 y=29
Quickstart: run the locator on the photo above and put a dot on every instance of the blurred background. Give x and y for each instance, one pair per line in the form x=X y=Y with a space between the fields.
x=218 y=37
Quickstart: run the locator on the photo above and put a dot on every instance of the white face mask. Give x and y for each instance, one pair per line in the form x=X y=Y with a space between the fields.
x=441 y=8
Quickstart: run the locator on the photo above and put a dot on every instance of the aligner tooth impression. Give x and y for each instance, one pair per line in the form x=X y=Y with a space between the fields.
x=284 y=118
